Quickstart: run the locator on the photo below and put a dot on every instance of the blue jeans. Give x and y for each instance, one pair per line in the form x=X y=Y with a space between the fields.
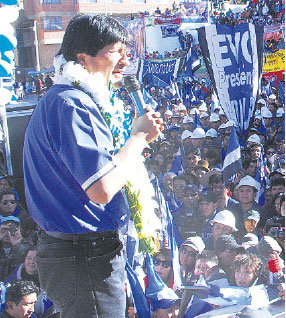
x=84 y=278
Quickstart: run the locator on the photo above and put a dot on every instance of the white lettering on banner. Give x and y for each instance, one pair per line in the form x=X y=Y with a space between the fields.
x=219 y=48
x=235 y=79
x=160 y=68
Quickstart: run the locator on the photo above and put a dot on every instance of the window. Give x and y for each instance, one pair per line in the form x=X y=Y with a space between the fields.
x=86 y=1
x=113 y=1
x=138 y=1
x=53 y=23
x=50 y=1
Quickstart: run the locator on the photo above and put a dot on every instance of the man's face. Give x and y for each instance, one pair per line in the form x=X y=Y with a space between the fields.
x=250 y=225
x=31 y=263
x=179 y=186
x=8 y=204
x=25 y=308
x=226 y=257
x=7 y=227
x=246 y=194
x=203 y=267
x=219 y=229
x=244 y=277
x=197 y=142
x=193 y=159
x=207 y=208
x=251 y=170
x=277 y=189
x=187 y=256
x=255 y=152
x=109 y=61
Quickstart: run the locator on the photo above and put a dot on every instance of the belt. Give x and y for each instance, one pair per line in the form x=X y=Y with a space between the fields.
x=91 y=236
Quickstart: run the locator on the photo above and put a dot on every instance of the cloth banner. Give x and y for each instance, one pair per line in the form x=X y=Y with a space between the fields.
x=169 y=30
x=274 y=62
x=167 y=19
x=158 y=72
x=273 y=32
x=233 y=57
x=195 y=11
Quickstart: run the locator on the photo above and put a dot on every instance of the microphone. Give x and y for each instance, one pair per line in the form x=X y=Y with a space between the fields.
x=133 y=87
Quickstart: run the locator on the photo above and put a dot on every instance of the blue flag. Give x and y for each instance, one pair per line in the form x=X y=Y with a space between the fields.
x=232 y=161
x=197 y=122
x=260 y=177
x=159 y=294
x=193 y=63
x=141 y=302
x=281 y=90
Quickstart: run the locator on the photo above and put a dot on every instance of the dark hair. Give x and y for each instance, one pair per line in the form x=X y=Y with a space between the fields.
x=250 y=261
x=20 y=288
x=7 y=193
x=214 y=179
x=89 y=33
x=277 y=182
x=209 y=255
x=32 y=248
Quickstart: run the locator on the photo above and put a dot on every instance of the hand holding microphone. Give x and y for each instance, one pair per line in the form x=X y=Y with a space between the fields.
x=148 y=122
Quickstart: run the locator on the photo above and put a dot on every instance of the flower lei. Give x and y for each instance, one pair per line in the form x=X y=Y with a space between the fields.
x=139 y=191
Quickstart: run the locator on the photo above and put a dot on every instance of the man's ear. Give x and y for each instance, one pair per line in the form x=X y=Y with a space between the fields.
x=81 y=57
x=10 y=305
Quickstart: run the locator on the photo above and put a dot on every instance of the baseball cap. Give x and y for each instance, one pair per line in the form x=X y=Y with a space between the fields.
x=193 y=111
x=195 y=242
x=203 y=164
x=266 y=246
x=226 y=242
x=251 y=215
x=198 y=133
x=255 y=139
x=249 y=181
x=272 y=96
x=186 y=134
x=230 y=123
x=214 y=118
x=249 y=240
x=280 y=111
x=225 y=217
x=203 y=107
x=187 y=119
x=10 y=219
x=261 y=101
x=212 y=133
x=204 y=114
x=266 y=113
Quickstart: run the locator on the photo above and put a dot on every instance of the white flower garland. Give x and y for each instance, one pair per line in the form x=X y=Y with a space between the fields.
x=140 y=191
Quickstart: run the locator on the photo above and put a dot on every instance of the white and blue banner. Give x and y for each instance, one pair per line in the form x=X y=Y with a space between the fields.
x=158 y=72
x=169 y=30
x=233 y=57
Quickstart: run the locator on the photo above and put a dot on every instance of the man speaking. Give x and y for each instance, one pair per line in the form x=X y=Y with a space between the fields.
x=74 y=178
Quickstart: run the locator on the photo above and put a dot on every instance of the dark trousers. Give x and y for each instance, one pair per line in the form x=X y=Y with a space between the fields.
x=84 y=278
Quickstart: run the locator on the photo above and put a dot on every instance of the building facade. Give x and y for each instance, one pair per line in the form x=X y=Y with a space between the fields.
x=42 y=24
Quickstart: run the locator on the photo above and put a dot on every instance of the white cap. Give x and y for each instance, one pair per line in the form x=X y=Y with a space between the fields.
x=204 y=114
x=249 y=240
x=261 y=101
x=188 y=119
x=214 y=118
x=265 y=112
x=230 y=123
x=255 y=139
x=280 y=112
x=168 y=112
x=212 y=133
x=203 y=107
x=181 y=107
x=258 y=116
x=249 y=181
x=225 y=217
x=193 y=111
x=221 y=113
x=222 y=126
x=186 y=134
x=272 y=96
x=196 y=243
x=198 y=133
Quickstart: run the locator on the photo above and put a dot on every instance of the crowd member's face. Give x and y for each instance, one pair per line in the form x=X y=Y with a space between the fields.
x=246 y=194
x=226 y=257
x=219 y=229
x=207 y=208
x=203 y=267
x=251 y=170
x=244 y=277
x=193 y=159
x=31 y=263
x=179 y=186
x=250 y=225
x=162 y=267
x=187 y=256
x=190 y=197
x=270 y=152
x=4 y=185
x=205 y=121
x=277 y=189
x=282 y=209
x=8 y=204
x=109 y=61
x=25 y=308
x=218 y=188
x=159 y=158
x=168 y=182
x=255 y=152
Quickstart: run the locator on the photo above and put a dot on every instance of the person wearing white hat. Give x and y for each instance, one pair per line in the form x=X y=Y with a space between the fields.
x=205 y=120
x=203 y=107
x=222 y=224
x=198 y=137
x=215 y=121
x=211 y=133
x=187 y=123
